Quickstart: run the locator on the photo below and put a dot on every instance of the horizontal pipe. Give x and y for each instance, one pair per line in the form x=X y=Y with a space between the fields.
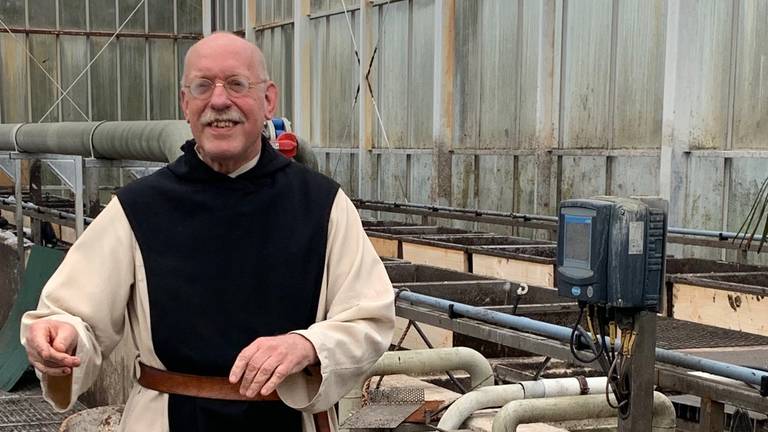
x=740 y=373
x=497 y=396
x=721 y=235
x=43 y=210
x=568 y=408
x=157 y=141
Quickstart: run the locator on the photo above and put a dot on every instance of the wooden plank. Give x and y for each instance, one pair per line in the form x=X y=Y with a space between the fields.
x=712 y=416
x=439 y=257
x=385 y=247
x=514 y=270
x=719 y=308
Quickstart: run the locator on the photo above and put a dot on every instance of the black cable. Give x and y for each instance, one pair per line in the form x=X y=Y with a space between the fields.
x=577 y=332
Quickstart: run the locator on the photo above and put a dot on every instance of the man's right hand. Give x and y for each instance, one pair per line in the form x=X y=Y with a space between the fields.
x=51 y=346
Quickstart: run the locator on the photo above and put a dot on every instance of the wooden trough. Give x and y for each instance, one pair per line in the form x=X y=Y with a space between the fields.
x=464 y=288
x=386 y=239
x=455 y=252
x=523 y=264
x=735 y=301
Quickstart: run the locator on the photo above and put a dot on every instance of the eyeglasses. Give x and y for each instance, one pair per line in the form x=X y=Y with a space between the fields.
x=202 y=88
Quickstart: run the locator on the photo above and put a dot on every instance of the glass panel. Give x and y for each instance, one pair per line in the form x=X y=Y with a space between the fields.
x=231 y=15
x=162 y=78
x=160 y=16
x=42 y=14
x=190 y=14
x=44 y=93
x=13 y=80
x=137 y=21
x=132 y=79
x=74 y=58
x=104 y=80
x=238 y=15
x=72 y=15
x=182 y=48
x=13 y=13
x=102 y=14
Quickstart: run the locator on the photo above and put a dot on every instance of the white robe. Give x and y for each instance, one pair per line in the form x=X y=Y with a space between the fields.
x=103 y=275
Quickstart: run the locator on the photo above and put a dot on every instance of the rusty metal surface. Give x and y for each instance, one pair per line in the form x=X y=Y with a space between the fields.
x=387 y=408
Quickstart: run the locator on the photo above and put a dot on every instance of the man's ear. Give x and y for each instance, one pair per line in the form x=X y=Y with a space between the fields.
x=270 y=100
x=184 y=103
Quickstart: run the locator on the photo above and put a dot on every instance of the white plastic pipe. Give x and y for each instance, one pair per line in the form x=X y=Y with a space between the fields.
x=567 y=408
x=497 y=396
x=424 y=361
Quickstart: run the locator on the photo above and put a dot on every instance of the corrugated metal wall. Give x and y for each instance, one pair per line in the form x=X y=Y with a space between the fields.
x=135 y=78
x=648 y=97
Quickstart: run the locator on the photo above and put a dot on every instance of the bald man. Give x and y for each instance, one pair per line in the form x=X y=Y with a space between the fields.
x=254 y=297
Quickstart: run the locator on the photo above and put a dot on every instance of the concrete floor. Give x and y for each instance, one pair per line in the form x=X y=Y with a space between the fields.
x=24 y=410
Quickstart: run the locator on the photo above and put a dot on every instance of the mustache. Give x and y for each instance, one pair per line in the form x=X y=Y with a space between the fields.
x=232 y=114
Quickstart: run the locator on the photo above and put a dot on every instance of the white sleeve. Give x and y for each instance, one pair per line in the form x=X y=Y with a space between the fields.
x=356 y=315
x=90 y=290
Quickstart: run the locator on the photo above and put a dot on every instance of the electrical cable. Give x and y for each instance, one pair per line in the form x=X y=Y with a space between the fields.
x=577 y=332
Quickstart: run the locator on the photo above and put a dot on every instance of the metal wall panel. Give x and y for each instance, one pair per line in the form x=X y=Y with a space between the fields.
x=704 y=51
x=421 y=75
x=133 y=79
x=704 y=200
x=13 y=85
x=496 y=185
x=43 y=91
x=74 y=58
x=189 y=16
x=528 y=90
x=320 y=112
x=421 y=177
x=163 y=88
x=342 y=167
x=634 y=175
x=42 y=14
x=342 y=68
x=182 y=46
x=103 y=14
x=466 y=93
x=104 y=101
x=393 y=186
x=277 y=46
x=746 y=176
x=587 y=75
x=639 y=74
x=392 y=96
x=750 y=126
x=464 y=188
x=136 y=22
x=499 y=74
x=72 y=14
x=582 y=176
x=525 y=189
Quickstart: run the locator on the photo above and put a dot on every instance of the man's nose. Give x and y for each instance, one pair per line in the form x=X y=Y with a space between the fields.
x=220 y=97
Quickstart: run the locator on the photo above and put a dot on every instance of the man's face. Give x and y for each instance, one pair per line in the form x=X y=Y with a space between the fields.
x=226 y=126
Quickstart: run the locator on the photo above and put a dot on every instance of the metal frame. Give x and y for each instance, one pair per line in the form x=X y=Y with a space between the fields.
x=78 y=188
x=667 y=377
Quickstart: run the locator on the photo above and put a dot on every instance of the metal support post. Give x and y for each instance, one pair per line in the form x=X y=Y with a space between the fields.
x=79 y=220
x=301 y=68
x=19 y=218
x=642 y=376
x=92 y=191
x=36 y=197
x=365 y=113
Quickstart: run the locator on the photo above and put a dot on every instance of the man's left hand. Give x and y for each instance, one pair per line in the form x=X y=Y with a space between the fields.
x=266 y=362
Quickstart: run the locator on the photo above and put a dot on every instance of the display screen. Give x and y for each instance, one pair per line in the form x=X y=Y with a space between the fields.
x=578 y=241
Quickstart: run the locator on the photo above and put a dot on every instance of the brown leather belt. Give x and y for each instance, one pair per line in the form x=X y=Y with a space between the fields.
x=208 y=387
